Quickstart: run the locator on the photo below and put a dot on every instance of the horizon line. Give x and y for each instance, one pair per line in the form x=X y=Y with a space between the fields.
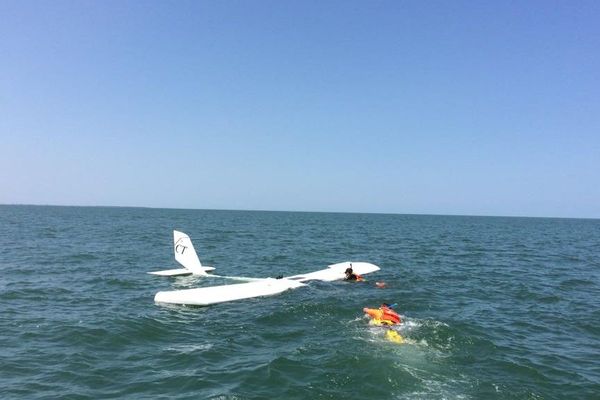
x=297 y=211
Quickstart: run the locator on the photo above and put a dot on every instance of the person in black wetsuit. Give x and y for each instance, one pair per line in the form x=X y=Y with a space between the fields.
x=350 y=275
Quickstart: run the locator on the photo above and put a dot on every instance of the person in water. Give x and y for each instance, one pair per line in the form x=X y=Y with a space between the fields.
x=389 y=313
x=383 y=315
x=351 y=276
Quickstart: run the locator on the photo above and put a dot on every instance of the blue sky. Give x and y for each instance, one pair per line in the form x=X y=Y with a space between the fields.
x=479 y=108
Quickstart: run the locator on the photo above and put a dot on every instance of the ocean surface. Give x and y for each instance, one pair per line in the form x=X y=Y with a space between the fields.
x=494 y=307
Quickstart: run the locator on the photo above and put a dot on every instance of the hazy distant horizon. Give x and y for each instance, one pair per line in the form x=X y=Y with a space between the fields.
x=297 y=211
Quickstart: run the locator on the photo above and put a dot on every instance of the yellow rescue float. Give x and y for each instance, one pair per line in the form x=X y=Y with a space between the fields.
x=394 y=336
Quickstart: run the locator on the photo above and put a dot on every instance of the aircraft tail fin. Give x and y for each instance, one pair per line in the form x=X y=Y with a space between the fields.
x=186 y=255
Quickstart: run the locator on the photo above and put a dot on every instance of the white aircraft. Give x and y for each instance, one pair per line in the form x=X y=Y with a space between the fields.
x=254 y=287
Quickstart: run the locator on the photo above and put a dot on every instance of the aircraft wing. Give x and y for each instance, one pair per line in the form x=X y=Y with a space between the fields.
x=335 y=272
x=223 y=293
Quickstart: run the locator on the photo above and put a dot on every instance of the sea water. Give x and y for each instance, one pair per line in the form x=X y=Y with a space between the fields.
x=493 y=308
